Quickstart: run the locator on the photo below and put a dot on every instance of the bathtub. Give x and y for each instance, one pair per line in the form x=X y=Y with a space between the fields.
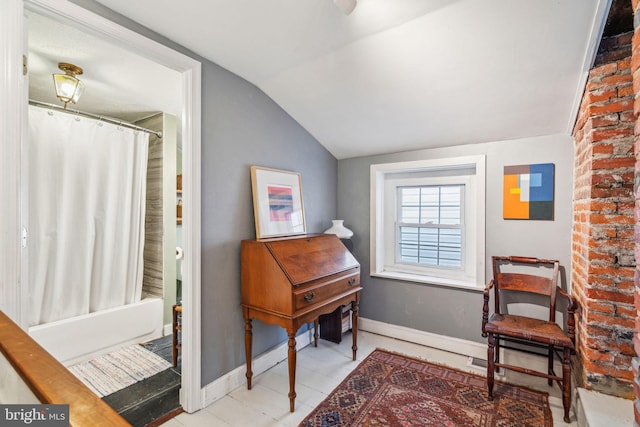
x=82 y=337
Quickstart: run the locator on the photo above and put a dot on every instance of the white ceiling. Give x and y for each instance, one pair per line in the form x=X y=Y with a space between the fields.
x=118 y=83
x=394 y=75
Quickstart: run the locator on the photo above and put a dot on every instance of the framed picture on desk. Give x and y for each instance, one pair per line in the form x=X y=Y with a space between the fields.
x=277 y=202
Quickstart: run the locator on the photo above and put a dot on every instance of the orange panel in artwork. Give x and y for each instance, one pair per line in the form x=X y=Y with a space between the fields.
x=512 y=207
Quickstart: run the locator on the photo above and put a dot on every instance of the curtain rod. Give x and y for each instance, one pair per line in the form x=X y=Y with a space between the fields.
x=95 y=116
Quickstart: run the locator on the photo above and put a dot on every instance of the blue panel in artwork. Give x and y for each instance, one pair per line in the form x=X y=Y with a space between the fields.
x=535 y=180
x=543 y=192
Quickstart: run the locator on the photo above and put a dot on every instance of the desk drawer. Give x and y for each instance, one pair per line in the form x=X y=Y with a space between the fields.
x=318 y=293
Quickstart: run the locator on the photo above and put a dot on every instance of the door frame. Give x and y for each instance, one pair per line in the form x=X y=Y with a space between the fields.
x=13 y=122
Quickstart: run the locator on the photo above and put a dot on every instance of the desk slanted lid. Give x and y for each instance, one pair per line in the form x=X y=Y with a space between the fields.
x=311 y=257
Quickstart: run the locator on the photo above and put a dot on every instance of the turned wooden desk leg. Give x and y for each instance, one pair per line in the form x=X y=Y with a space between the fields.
x=354 y=324
x=292 y=369
x=248 y=335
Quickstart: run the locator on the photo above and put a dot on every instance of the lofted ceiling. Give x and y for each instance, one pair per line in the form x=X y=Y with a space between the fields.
x=391 y=76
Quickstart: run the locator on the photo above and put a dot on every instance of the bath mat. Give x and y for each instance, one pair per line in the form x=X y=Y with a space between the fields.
x=388 y=389
x=122 y=368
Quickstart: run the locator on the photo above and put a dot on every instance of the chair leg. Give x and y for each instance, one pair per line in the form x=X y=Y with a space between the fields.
x=550 y=366
x=566 y=383
x=491 y=367
x=174 y=339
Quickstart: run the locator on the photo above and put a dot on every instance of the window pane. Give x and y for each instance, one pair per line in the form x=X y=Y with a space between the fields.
x=409 y=234
x=429 y=236
x=437 y=247
x=450 y=248
x=429 y=215
x=410 y=214
x=450 y=215
x=428 y=249
x=450 y=195
x=411 y=195
x=433 y=204
x=429 y=196
x=450 y=238
x=408 y=248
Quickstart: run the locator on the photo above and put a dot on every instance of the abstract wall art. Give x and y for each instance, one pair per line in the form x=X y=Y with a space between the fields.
x=280 y=202
x=528 y=192
x=277 y=202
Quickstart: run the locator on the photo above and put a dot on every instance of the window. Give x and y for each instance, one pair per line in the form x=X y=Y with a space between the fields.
x=428 y=221
x=430 y=225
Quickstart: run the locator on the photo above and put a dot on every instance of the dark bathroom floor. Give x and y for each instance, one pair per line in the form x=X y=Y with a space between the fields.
x=155 y=399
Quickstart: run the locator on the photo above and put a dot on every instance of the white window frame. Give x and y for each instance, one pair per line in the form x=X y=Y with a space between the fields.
x=385 y=178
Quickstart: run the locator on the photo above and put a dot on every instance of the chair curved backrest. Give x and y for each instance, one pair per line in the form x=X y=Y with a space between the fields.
x=524 y=282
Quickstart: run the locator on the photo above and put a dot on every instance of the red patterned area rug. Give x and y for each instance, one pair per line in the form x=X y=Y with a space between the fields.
x=388 y=389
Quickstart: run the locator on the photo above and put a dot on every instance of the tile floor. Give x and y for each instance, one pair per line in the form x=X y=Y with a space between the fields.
x=319 y=371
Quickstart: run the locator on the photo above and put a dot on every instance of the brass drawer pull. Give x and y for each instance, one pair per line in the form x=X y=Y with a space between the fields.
x=309 y=296
x=352 y=281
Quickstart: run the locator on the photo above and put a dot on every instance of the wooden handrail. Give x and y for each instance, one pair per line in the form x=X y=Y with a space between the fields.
x=51 y=382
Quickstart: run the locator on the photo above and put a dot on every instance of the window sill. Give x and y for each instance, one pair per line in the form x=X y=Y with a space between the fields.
x=431 y=280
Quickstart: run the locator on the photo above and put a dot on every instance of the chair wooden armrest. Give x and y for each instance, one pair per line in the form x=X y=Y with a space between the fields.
x=572 y=304
x=488 y=287
x=485 y=307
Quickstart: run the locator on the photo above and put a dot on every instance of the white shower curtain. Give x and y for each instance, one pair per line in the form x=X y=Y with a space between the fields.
x=87 y=186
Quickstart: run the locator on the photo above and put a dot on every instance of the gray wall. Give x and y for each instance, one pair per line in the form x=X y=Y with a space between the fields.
x=241 y=126
x=449 y=311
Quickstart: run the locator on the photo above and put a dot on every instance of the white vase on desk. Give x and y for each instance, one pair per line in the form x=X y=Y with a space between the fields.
x=339 y=229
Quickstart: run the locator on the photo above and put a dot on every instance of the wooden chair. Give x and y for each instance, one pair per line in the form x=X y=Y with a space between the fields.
x=528 y=333
x=176 y=344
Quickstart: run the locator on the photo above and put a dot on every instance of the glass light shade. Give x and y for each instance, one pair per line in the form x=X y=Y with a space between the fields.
x=339 y=229
x=78 y=93
x=68 y=88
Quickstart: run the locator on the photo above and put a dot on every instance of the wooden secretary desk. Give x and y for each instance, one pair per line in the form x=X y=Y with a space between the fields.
x=292 y=281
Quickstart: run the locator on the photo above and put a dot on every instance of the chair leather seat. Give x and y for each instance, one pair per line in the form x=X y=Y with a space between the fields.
x=537 y=330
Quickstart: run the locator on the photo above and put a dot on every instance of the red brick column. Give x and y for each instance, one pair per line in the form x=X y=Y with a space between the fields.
x=603 y=241
x=635 y=65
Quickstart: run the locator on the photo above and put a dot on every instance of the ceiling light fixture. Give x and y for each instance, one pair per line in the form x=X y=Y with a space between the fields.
x=68 y=87
x=346 y=6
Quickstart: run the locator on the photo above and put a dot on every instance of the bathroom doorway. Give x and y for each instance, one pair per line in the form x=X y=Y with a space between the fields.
x=189 y=118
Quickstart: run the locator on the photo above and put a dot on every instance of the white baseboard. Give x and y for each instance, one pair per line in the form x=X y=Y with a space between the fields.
x=234 y=379
x=452 y=345
x=167 y=330
x=441 y=342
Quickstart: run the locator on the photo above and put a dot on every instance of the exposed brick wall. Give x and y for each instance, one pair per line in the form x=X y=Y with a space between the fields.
x=635 y=65
x=603 y=236
x=613 y=48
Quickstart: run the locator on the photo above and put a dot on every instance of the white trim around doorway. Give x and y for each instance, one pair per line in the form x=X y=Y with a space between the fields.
x=13 y=106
